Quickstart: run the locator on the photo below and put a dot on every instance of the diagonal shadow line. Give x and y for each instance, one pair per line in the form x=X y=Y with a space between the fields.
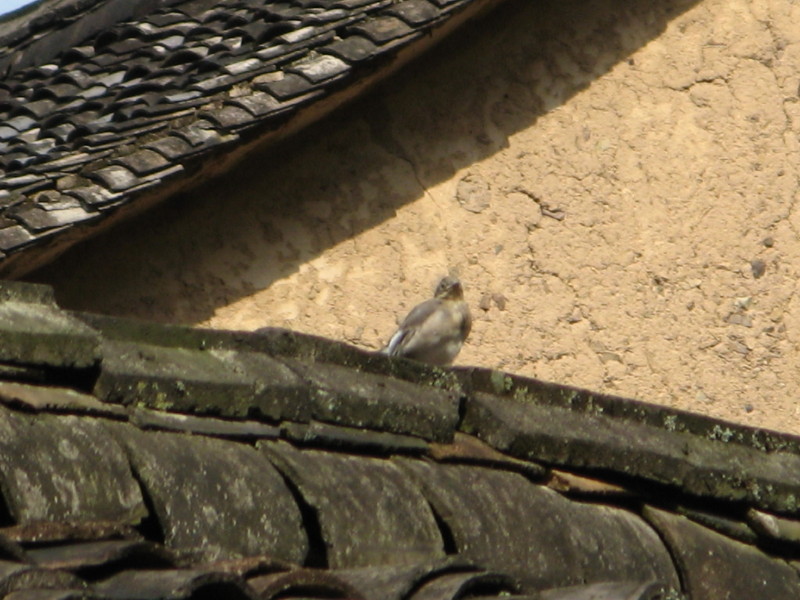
x=459 y=104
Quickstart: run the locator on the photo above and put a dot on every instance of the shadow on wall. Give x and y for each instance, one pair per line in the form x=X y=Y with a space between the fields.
x=282 y=207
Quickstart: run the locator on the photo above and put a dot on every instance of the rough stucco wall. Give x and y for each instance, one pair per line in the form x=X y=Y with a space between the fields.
x=605 y=177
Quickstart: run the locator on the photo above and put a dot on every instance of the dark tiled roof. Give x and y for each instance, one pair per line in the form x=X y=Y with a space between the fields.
x=146 y=461
x=104 y=102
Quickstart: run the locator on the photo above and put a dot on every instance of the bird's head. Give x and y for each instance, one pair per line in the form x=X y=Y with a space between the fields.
x=449 y=288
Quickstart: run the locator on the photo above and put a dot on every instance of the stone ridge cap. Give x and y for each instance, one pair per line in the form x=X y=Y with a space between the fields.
x=529 y=390
x=465 y=381
x=275 y=341
x=305 y=360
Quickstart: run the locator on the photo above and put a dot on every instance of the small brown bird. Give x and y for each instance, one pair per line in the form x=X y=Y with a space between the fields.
x=434 y=331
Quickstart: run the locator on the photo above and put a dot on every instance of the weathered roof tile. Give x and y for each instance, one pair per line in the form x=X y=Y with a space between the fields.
x=353 y=48
x=41 y=108
x=93 y=195
x=612 y=590
x=326 y=16
x=21 y=122
x=398 y=580
x=53 y=399
x=233 y=429
x=112 y=78
x=217 y=83
x=16 y=576
x=69 y=160
x=383 y=29
x=229 y=117
x=287 y=87
x=55 y=200
x=173 y=585
x=61 y=468
x=21 y=180
x=415 y=12
x=465 y=449
x=13 y=237
x=90 y=556
x=171 y=147
x=115 y=178
x=38 y=219
x=484 y=510
x=198 y=135
x=709 y=562
x=729 y=525
x=64 y=90
x=351 y=3
x=341 y=489
x=143 y=162
x=774 y=527
x=280 y=54
x=298 y=35
x=243 y=66
x=319 y=68
x=257 y=103
x=6 y=132
x=456 y=585
x=316 y=434
x=215 y=499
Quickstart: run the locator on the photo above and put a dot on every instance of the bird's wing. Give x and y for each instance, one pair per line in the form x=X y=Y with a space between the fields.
x=411 y=324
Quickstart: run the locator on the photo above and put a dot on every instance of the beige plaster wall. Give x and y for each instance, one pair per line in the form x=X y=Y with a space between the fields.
x=616 y=183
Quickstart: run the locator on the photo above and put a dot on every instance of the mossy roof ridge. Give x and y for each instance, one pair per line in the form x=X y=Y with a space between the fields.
x=175 y=462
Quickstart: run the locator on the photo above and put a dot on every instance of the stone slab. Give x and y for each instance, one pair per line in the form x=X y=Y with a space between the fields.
x=354 y=398
x=55 y=399
x=588 y=440
x=34 y=331
x=180 y=379
x=190 y=370
x=280 y=393
x=529 y=391
x=335 y=437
